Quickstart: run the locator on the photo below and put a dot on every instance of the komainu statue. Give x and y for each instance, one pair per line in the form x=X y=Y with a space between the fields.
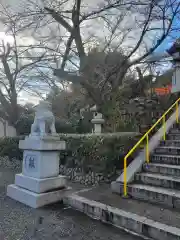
x=44 y=121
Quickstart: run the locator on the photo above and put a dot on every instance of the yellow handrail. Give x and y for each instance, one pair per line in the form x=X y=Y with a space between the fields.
x=146 y=135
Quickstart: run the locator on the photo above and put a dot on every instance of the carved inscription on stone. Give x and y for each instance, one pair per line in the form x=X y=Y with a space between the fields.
x=31 y=163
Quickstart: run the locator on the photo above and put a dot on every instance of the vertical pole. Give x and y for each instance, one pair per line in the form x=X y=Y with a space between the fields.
x=177 y=113
x=125 y=177
x=147 y=148
x=164 y=128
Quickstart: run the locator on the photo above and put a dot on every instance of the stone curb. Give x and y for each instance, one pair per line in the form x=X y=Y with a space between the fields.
x=127 y=221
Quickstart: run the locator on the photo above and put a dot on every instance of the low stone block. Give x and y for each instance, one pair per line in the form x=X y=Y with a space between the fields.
x=40 y=185
x=156 y=230
x=35 y=200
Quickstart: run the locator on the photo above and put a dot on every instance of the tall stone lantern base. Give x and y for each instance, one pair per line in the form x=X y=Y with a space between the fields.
x=39 y=183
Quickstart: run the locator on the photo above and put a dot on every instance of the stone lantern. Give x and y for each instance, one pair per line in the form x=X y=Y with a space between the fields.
x=97 y=120
x=174 y=51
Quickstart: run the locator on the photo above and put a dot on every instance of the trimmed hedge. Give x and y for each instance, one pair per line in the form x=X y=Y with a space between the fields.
x=98 y=153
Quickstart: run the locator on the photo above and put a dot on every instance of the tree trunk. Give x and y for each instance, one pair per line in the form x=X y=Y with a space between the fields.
x=13 y=115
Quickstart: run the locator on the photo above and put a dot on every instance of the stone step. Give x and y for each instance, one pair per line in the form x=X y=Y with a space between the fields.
x=174 y=131
x=140 y=219
x=176 y=125
x=174 y=143
x=165 y=169
x=154 y=179
x=173 y=136
x=164 y=158
x=158 y=195
x=169 y=150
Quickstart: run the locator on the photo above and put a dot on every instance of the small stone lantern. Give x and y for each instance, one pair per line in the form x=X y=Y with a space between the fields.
x=97 y=120
x=174 y=51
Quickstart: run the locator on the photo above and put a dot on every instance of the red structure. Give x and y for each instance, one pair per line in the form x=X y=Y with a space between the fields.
x=163 y=90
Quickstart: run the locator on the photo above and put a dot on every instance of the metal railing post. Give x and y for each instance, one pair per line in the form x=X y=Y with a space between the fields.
x=177 y=113
x=125 y=176
x=147 y=148
x=164 y=128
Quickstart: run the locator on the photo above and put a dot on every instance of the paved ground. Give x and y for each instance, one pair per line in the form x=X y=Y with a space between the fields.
x=157 y=213
x=19 y=222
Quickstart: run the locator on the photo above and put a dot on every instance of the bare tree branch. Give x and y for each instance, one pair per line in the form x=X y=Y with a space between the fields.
x=59 y=19
x=68 y=46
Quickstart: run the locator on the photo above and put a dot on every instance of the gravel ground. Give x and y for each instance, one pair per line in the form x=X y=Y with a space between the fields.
x=19 y=222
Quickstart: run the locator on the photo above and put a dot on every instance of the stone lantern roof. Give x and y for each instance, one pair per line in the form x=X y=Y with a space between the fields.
x=93 y=109
x=174 y=51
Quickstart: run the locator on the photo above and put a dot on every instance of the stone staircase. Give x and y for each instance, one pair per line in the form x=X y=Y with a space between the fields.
x=151 y=210
x=159 y=180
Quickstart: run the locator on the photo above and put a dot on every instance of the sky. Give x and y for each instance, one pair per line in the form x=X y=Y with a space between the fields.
x=17 y=5
x=169 y=40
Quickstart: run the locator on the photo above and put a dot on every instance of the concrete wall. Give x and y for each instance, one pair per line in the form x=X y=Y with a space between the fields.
x=6 y=130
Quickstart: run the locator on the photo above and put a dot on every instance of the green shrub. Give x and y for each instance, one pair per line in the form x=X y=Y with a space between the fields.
x=9 y=147
x=63 y=126
x=84 y=124
x=98 y=153
x=24 y=123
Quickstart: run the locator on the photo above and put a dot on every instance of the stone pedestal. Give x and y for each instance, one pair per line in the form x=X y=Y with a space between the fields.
x=97 y=125
x=39 y=183
x=176 y=78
